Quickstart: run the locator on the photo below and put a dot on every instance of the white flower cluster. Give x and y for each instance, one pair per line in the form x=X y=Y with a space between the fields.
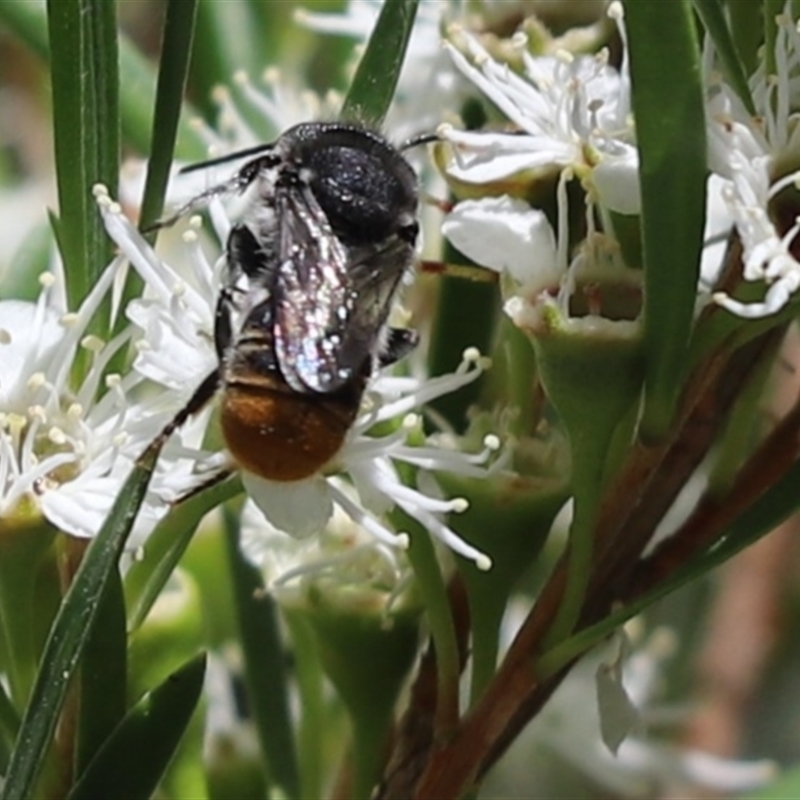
x=572 y=117
x=572 y=120
x=65 y=452
x=747 y=153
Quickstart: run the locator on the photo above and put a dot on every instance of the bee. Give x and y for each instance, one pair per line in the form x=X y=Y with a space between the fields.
x=312 y=270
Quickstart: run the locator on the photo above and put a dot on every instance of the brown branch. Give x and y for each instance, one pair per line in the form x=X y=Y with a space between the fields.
x=709 y=521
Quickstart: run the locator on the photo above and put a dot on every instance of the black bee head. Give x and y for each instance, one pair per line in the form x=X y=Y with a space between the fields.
x=366 y=188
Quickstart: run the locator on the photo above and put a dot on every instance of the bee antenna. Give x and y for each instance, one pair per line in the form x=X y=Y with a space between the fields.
x=419 y=139
x=250 y=151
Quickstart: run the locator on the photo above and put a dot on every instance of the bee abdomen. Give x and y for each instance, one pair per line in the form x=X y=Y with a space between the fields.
x=282 y=435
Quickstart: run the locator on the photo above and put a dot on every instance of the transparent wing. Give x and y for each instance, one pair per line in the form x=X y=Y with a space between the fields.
x=331 y=301
x=313 y=301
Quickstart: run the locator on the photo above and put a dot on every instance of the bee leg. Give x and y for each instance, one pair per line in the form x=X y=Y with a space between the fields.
x=250 y=256
x=204 y=392
x=238 y=183
x=223 y=329
x=213 y=480
x=399 y=342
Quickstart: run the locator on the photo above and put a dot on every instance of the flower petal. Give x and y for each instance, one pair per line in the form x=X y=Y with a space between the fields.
x=504 y=234
x=616 y=179
x=299 y=508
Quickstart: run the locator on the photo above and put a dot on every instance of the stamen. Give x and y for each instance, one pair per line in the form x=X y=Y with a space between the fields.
x=57 y=436
x=447 y=536
x=369 y=523
x=92 y=343
x=327 y=564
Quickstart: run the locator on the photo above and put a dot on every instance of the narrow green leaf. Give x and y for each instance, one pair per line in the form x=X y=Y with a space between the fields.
x=85 y=81
x=103 y=675
x=747 y=27
x=778 y=503
x=772 y=8
x=9 y=727
x=70 y=631
x=265 y=671
x=166 y=544
x=176 y=48
x=433 y=591
x=712 y=14
x=670 y=129
x=376 y=78
x=133 y=759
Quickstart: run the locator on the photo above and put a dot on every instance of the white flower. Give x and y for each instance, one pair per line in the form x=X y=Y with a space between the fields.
x=177 y=350
x=507 y=235
x=572 y=112
x=746 y=152
x=574 y=121
x=65 y=453
x=344 y=558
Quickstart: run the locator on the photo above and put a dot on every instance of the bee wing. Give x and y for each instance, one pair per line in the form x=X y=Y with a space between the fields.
x=313 y=303
x=374 y=275
x=331 y=302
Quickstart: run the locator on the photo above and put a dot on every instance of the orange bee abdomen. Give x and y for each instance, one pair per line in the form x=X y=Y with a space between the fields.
x=283 y=435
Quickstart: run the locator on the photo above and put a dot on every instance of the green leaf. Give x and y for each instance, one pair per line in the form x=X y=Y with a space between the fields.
x=747 y=28
x=312 y=726
x=133 y=759
x=85 y=81
x=670 y=129
x=433 y=591
x=9 y=727
x=265 y=671
x=176 y=48
x=712 y=14
x=70 y=631
x=771 y=10
x=166 y=544
x=103 y=674
x=376 y=78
